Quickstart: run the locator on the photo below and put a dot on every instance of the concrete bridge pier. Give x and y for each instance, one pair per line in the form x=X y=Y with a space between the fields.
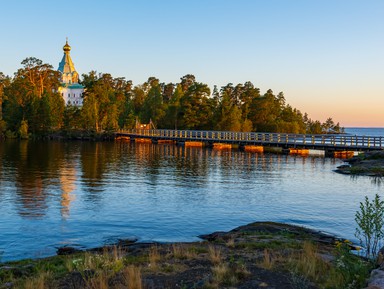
x=155 y=141
x=329 y=153
x=285 y=150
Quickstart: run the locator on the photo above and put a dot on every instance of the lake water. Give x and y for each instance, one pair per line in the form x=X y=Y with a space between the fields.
x=365 y=131
x=87 y=194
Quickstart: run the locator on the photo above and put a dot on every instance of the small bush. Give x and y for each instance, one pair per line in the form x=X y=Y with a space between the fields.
x=370 y=224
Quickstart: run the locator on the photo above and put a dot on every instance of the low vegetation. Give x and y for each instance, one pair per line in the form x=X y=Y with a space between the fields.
x=368 y=164
x=302 y=259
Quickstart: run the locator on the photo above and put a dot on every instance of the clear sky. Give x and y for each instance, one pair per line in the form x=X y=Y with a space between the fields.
x=327 y=56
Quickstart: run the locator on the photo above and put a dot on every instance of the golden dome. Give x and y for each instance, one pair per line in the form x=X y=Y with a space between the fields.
x=66 y=47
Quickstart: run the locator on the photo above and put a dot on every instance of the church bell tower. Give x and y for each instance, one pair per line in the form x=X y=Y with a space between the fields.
x=70 y=89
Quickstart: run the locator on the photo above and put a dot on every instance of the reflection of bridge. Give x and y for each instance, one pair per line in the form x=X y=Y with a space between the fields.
x=328 y=143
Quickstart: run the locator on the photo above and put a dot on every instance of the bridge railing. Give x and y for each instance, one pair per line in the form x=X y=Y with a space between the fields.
x=340 y=140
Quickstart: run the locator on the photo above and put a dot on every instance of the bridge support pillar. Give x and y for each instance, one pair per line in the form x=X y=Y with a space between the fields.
x=180 y=143
x=329 y=153
x=285 y=151
x=155 y=141
x=132 y=139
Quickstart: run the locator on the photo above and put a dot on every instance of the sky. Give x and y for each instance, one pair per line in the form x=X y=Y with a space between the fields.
x=327 y=56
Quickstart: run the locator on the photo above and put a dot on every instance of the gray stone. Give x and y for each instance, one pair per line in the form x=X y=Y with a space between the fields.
x=376 y=279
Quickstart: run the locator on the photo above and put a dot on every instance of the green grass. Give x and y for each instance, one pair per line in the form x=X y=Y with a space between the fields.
x=271 y=244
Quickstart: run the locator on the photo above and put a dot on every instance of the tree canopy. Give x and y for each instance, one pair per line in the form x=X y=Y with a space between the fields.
x=30 y=103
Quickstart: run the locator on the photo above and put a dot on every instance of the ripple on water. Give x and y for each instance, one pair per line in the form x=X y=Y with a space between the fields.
x=87 y=194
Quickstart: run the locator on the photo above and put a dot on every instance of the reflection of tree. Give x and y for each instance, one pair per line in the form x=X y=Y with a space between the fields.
x=36 y=165
x=184 y=161
x=95 y=159
x=1 y=164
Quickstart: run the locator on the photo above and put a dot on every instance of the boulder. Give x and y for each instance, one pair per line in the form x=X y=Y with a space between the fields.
x=376 y=280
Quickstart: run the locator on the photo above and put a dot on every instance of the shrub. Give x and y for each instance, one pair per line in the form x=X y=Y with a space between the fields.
x=370 y=224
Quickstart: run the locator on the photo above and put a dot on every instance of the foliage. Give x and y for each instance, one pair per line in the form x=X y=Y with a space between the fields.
x=112 y=103
x=23 y=130
x=346 y=271
x=370 y=222
x=353 y=269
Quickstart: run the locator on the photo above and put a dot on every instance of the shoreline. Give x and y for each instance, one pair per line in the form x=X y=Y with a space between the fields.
x=369 y=164
x=256 y=255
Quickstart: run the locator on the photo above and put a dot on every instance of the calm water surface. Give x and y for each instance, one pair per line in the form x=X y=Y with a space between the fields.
x=88 y=194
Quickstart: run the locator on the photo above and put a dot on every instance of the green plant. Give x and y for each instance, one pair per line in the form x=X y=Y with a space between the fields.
x=370 y=224
x=38 y=282
x=353 y=269
x=299 y=281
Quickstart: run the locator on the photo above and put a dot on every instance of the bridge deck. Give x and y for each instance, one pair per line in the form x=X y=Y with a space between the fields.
x=304 y=141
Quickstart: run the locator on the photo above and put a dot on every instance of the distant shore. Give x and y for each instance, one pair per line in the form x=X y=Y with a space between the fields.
x=366 y=164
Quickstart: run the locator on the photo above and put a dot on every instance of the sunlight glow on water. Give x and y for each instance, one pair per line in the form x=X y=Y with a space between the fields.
x=86 y=194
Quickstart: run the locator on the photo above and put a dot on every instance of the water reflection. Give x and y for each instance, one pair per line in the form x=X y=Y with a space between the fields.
x=33 y=172
x=85 y=192
x=37 y=168
x=68 y=176
x=94 y=159
x=376 y=180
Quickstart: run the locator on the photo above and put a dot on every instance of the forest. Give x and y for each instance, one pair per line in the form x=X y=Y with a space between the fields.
x=31 y=106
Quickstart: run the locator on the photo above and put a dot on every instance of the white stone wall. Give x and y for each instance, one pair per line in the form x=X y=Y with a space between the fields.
x=72 y=96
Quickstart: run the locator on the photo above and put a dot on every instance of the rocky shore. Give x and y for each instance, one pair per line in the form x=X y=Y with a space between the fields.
x=258 y=255
x=367 y=164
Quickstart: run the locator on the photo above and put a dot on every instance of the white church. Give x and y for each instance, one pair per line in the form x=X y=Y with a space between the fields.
x=70 y=89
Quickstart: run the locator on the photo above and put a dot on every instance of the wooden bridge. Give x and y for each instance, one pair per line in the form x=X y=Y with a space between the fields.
x=287 y=142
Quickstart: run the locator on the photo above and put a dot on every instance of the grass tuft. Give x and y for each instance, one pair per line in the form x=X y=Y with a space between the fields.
x=154 y=257
x=214 y=254
x=183 y=252
x=132 y=277
x=98 y=281
x=269 y=260
x=230 y=243
x=222 y=274
x=38 y=282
